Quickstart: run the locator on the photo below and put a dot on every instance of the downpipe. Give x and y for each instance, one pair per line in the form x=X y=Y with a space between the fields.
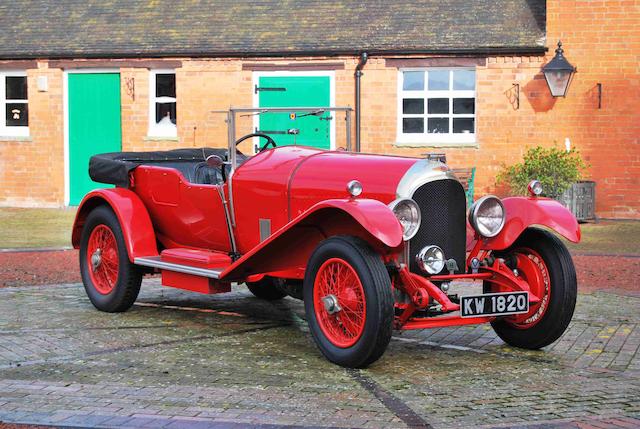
x=363 y=61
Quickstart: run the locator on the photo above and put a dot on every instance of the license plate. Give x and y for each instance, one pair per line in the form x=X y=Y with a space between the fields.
x=494 y=304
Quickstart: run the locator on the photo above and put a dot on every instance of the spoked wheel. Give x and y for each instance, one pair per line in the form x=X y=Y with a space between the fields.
x=339 y=302
x=348 y=301
x=111 y=281
x=102 y=259
x=545 y=263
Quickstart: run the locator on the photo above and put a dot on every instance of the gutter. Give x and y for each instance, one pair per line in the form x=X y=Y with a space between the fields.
x=363 y=61
x=526 y=50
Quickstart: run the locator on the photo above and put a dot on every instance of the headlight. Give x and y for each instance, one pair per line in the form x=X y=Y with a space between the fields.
x=535 y=188
x=408 y=213
x=487 y=216
x=431 y=259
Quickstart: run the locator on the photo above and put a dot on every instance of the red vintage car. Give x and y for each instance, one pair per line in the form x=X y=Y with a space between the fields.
x=371 y=243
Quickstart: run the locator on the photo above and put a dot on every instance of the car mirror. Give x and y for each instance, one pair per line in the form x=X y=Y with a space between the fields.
x=214 y=161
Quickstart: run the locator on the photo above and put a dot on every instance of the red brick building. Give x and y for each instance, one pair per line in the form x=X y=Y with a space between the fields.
x=442 y=76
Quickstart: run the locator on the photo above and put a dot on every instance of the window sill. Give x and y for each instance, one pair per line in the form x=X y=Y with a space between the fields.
x=452 y=144
x=15 y=138
x=161 y=138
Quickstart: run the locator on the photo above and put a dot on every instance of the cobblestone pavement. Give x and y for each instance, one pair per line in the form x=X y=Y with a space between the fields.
x=180 y=359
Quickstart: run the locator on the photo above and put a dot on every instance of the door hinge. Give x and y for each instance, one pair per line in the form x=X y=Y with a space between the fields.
x=289 y=131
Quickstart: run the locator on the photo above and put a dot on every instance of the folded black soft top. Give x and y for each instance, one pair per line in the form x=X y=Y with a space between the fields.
x=114 y=167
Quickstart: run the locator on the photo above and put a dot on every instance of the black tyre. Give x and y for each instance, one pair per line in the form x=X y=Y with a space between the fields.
x=111 y=281
x=544 y=261
x=268 y=288
x=348 y=301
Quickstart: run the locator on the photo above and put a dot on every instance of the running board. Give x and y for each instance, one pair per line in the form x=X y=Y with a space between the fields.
x=156 y=262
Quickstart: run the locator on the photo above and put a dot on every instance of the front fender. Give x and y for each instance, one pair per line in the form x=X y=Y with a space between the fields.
x=137 y=229
x=525 y=212
x=372 y=215
x=291 y=246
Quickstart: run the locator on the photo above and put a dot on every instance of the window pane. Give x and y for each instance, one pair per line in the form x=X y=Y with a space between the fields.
x=413 y=81
x=166 y=114
x=16 y=87
x=438 y=105
x=17 y=115
x=464 y=80
x=413 y=106
x=165 y=85
x=412 y=125
x=464 y=105
x=438 y=125
x=438 y=80
x=463 y=125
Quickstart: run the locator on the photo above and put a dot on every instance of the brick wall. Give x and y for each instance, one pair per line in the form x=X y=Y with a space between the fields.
x=608 y=137
x=602 y=39
x=31 y=169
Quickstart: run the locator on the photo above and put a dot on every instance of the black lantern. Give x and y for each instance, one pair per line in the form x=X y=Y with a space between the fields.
x=558 y=73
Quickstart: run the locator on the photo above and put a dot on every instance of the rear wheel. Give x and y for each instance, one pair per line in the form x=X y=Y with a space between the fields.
x=268 y=288
x=545 y=263
x=111 y=281
x=348 y=302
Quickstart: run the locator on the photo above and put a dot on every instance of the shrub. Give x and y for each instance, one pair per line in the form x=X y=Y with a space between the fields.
x=555 y=168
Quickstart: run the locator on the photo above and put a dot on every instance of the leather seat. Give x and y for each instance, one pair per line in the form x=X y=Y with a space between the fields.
x=206 y=175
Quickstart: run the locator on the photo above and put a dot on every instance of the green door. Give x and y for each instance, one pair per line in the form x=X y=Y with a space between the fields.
x=293 y=127
x=94 y=126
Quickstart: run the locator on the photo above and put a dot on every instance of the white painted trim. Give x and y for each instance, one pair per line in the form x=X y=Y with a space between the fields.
x=11 y=131
x=435 y=140
x=65 y=115
x=280 y=73
x=153 y=130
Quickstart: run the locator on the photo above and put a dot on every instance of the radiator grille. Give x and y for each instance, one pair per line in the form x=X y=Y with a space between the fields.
x=443 y=206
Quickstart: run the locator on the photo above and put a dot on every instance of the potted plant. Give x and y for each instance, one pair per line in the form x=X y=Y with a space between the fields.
x=560 y=172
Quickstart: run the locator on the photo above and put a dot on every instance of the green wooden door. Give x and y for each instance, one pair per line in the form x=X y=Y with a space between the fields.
x=296 y=91
x=94 y=126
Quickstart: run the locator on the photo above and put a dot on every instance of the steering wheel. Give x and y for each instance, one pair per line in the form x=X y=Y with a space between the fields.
x=270 y=141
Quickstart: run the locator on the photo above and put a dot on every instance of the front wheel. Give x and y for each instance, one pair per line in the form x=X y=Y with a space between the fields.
x=111 y=281
x=545 y=263
x=348 y=301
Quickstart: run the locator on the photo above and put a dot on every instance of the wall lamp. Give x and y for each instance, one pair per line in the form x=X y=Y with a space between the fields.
x=558 y=73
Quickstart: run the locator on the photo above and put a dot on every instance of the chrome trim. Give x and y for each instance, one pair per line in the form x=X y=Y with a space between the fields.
x=232 y=238
x=423 y=171
x=156 y=262
x=231 y=156
x=474 y=211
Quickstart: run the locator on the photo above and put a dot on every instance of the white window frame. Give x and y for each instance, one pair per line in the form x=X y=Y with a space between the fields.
x=436 y=138
x=17 y=131
x=154 y=129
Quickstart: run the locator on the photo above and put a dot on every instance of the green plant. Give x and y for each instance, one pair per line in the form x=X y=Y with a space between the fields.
x=555 y=168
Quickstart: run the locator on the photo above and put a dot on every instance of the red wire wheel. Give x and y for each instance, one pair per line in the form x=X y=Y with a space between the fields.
x=339 y=302
x=532 y=268
x=102 y=259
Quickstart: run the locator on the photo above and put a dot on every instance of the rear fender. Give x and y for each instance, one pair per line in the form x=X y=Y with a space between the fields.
x=289 y=248
x=133 y=217
x=525 y=212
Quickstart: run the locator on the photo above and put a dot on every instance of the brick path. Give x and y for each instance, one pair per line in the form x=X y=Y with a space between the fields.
x=185 y=360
